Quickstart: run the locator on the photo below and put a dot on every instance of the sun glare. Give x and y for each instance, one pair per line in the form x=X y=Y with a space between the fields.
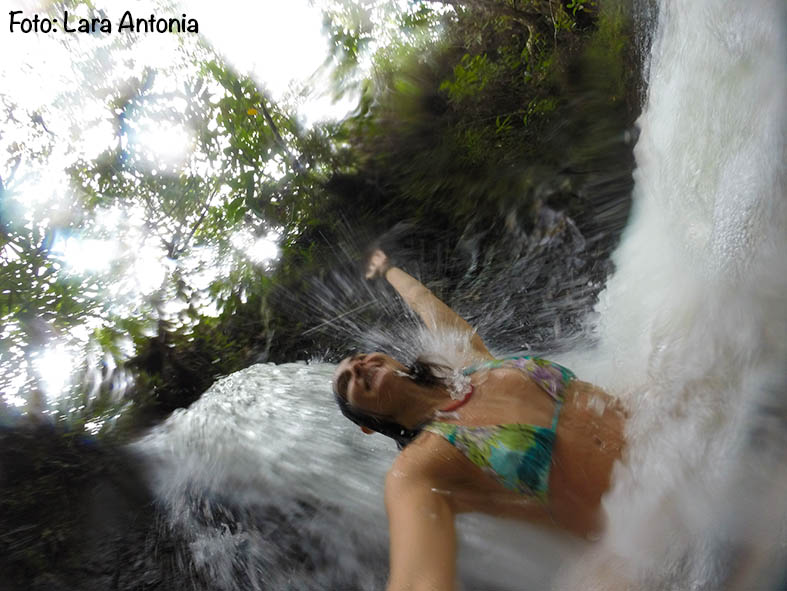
x=289 y=49
x=54 y=366
x=149 y=268
x=288 y=41
x=257 y=249
x=162 y=143
x=97 y=137
x=85 y=255
x=264 y=249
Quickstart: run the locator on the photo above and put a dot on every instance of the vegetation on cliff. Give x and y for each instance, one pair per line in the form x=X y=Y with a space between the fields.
x=473 y=120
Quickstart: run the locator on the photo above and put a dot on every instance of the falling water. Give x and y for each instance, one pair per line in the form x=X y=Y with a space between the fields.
x=692 y=324
x=266 y=488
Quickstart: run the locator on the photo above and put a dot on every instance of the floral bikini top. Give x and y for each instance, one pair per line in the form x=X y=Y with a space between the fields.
x=517 y=455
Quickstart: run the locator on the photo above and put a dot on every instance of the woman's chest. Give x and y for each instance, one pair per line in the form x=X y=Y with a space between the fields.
x=505 y=396
x=472 y=489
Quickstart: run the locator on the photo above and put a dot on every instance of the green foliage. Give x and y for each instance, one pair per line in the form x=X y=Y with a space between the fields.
x=423 y=17
x=225 y=185
x=460 y=120
x=580 y=6
x=608 y=51
x=471 y=76
x=451 y=118
x=539 y=108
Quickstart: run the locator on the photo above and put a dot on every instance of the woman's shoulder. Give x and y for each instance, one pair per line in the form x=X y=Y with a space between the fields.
x=422 y=454
x=429 y=458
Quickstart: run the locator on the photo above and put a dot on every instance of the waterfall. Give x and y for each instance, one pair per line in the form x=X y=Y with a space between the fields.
x=267 y=488
x=693 y=323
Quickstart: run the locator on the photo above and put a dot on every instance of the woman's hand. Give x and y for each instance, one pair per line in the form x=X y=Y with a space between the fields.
x=434 y=313
x=378 y=264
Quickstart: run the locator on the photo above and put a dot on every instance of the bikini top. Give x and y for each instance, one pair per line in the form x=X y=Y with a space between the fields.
x=517 y=455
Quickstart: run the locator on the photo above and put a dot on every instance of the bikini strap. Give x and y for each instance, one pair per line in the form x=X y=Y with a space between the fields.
x=493 y=364
x=558 y=405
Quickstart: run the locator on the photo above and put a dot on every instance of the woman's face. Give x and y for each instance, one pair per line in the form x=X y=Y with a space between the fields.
x=369 y=382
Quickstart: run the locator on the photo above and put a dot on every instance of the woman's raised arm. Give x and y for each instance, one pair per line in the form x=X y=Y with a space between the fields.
x=435 y=314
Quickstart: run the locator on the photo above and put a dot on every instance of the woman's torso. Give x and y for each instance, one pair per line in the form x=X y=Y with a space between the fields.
x=589 y=438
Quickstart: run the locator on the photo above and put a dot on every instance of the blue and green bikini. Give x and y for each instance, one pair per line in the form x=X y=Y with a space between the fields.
x=517 y=455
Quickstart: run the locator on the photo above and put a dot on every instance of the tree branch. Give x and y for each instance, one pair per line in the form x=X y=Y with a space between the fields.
x=199 y=221
x=279 y=140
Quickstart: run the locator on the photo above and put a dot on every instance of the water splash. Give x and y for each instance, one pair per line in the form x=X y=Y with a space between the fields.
x=267 y=488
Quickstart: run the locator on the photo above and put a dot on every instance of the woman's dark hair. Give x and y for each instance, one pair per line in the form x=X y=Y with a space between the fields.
x=423 y=373
x=401 y=435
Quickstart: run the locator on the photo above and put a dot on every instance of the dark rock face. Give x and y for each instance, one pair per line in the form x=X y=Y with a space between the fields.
x=76 y=515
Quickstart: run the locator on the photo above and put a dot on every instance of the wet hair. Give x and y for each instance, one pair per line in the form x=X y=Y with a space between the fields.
x=400 y=434
x=427 y=373
x=423 y=373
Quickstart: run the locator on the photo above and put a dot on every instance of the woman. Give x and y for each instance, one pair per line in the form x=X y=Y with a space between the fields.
x=524 y=439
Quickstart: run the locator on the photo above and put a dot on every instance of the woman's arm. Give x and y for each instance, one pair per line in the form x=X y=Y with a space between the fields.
x=435 y=314
x=423 y=540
